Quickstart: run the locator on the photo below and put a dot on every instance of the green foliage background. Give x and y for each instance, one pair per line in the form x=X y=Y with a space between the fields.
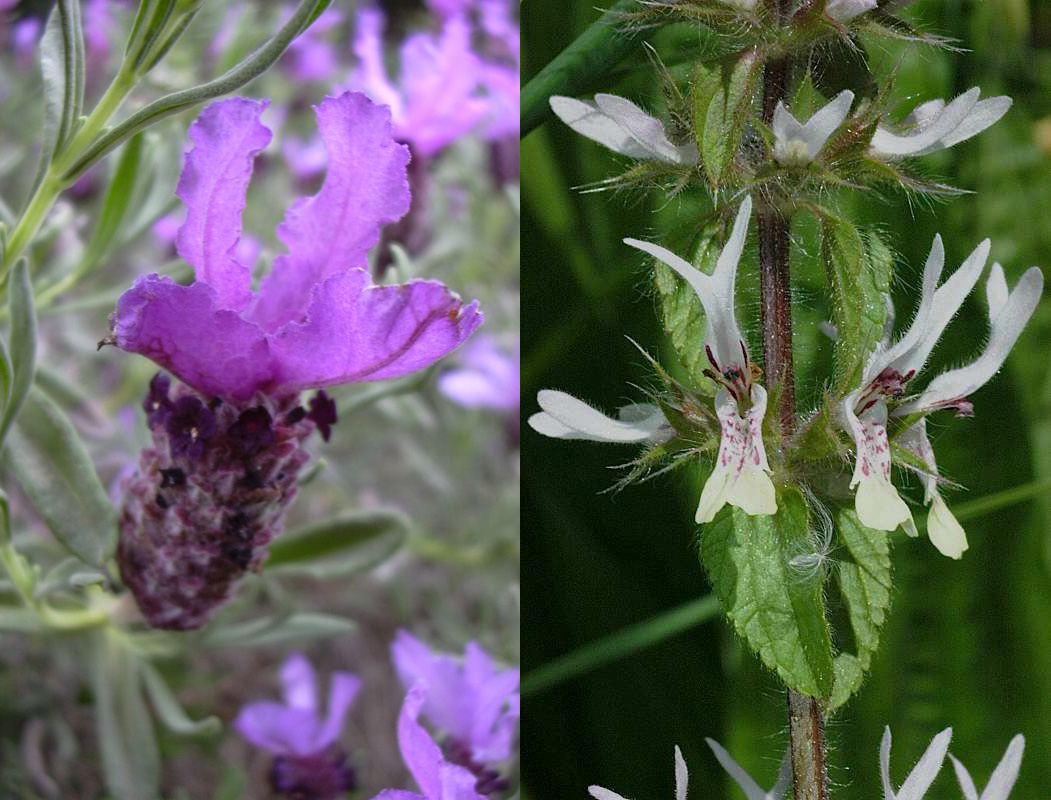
x=966 y=643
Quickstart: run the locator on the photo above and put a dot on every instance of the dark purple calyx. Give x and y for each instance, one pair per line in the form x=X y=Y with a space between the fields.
x=323 y=776
x=323 y=413
x=157 y=405
x=189 y=425
x=489 y=780
x=252 y=432
x=172 y=478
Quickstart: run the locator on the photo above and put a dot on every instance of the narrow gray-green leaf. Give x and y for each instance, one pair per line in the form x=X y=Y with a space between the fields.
x=168 y=709
x=278 y=630
x=53 y=467
x=865 y=583
x=337 y=547
x=777 y=608
x=859 y=268
x=23 y=344
x=176 y=102
x=116 y=204
x=130 y=759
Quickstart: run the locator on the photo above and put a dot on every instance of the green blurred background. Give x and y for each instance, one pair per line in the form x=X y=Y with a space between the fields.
x=968 y=643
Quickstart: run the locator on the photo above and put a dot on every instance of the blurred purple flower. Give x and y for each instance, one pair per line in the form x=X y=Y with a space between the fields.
x=489 y=378
x=445 y=9
x=437 y=778
x=24 y=37
x=166 y=229
x=310 y=57
x=477 y=705
x=307 y=762
x=437 y=97
x=316 y=319
x=305 y=158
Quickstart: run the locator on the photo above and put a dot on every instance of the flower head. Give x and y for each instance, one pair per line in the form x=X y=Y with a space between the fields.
x=316 y=319
x=470 y=699
x=799 y=143
x=891 y=368
x=437 y=778
x=306 y=763
x=1003 y=777
x=741 y=474
x=623 y=127
x=438 y=96
x=936 y=126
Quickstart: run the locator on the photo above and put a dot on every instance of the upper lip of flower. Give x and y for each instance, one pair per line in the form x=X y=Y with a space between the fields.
x=814 y=132
x=938 y=126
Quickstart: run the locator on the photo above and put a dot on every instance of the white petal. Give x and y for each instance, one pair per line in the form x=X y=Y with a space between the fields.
x=647 y=130
x=784 y=777
x=1006 y=772
x=963 y=777
x=682 y=775
x=604 y=794
x=886 y=143
x=884 y=764
x=879 y=505
x=846 y=10
x=753 y=493
x=570 y=418
x=827 y=119
x=589 y=121
x=916 y=442
x=996 y=290
x=741 y=778
x=986 y=113
x=786 y=128
x=946 y=302
x=926 y=769
x=877 y=502
x=944 y=531
x=713 y=495
x=1006 y=328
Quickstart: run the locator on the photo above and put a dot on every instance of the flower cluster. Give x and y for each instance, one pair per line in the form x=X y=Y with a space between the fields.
x=234 y=428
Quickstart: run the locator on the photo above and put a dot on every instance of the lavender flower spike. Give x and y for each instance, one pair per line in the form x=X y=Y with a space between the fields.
x=307 y=764
x=437 y=778
x=316 y=320
x=476 y=704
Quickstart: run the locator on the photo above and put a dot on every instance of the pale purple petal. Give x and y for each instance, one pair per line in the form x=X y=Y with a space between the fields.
x=365 y=188
x=306 y=159
x=355 y=331
x=227 y=137
x=181 y=329
x=504 y=88
x=297 y=675
x=310 y=57
x=496 y=705
x=449 y=8
x=458 y=783
x=343 y=688
x=448 y=703
x=421 y=755
x=166 y=229
x=371 y=76
x=489 y=378
x=398 y=794
x=278 y=728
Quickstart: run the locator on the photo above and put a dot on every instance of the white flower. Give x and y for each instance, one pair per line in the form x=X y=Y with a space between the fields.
x=681 y=780
x=922 y=775
x=751 y=789
x=741 y=474
x=566 y=417
x=935 y=126
x=799 y=143
x=623 y=127
x=845 y=10
x=1003 y=778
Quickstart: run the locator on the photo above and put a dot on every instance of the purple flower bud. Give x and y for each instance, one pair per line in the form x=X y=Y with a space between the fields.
x=157 y=405
x=323 y=413
x=253 y=431
x=189 y=425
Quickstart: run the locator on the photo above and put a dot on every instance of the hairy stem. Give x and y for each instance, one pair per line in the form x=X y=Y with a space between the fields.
x=805 y=718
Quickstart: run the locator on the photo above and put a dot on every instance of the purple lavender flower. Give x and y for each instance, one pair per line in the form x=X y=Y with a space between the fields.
x=307 y=762
x=472 y=701
x=233 y=427
x=438 y=96
x=437 y=778
x=310 y=57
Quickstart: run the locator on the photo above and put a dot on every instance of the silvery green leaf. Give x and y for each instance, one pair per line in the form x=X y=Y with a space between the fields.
x=20 y=620
x=117 y=202
x=340 y=546
x=168 y=709
x=177 y=102
x=53 y=467
x=23 y=345
x=62 y=67
x=130 y=760
x=278 y=630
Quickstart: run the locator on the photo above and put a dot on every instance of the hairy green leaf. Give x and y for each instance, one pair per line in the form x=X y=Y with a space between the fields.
x=776 y=607
x=722 y=97
x=54 y=469
x=859 y=267
x=865 y=583
x=341 y=546
x=22 y=363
